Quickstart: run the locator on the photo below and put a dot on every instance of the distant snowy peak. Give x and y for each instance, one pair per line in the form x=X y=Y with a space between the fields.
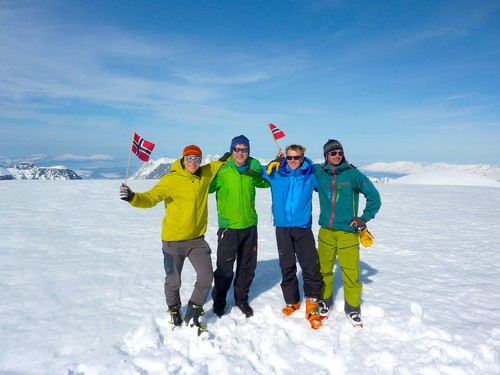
x=382 y=180
x=409 y=168
x=29 y=171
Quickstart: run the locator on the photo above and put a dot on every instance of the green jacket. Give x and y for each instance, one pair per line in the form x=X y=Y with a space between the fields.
x=235 y=194
x=185 y=198
x=338 y=189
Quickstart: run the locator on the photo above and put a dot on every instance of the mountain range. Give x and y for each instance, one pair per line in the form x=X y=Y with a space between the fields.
x=29 y=171
x=379 y=172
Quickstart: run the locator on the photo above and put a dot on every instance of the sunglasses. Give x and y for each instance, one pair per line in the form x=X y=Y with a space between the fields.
x=335 y=153
x=242 y=149
x=190 y=158
x=297 y=157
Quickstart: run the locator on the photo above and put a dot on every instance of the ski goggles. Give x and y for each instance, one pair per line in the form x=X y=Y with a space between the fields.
x=244 y=150
x=190 y=158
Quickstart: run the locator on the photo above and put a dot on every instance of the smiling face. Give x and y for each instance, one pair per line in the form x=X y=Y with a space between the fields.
x=335 y=157
x=294 y=159
x=192 y=163
x=240 y=154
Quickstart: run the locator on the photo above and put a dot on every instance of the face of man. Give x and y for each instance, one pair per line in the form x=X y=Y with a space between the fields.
x=335 y=157
x=192 y=163
x=240 y=154
x=294 y=159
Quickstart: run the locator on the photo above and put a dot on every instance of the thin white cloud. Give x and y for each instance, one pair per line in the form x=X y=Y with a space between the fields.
x=422 y=36
x=111 y=67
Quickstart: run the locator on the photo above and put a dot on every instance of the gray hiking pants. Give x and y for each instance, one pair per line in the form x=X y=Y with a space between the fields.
x=174 y=254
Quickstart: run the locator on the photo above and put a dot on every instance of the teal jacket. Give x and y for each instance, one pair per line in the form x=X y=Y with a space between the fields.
x=235 y=194
x=338 y=189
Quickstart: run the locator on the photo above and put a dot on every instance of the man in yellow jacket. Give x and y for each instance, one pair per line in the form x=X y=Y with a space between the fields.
x=184 y=192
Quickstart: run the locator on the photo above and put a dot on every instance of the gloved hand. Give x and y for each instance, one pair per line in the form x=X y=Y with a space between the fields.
x=224 y=157
x=365 y=237
x=274 y=164
x=126 y=193
x=358 y=223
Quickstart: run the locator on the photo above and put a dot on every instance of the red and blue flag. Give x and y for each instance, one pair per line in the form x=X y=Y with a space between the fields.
x=276 y=132
x=142 y=148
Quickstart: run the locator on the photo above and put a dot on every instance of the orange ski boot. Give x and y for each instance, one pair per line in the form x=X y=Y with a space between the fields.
x=312 y=313
x=290 y=308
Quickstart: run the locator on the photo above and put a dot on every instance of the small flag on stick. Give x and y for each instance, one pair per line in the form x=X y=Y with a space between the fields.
x=277 y=133
x=142 y=148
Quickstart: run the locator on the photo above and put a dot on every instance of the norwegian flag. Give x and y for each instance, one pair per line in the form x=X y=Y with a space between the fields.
x=277 y=132
x=142 y=148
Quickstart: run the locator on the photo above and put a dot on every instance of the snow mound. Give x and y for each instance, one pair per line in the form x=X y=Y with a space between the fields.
x=446 y=178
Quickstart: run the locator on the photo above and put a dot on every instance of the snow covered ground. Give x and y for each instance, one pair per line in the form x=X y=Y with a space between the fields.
x=81 y=286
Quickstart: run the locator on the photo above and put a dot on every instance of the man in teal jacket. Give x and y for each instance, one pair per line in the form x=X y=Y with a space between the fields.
x=339 y=186
x=237 y=235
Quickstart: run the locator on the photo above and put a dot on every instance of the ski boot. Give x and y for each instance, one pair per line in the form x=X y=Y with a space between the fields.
x=312 y=313
x=175 y=315
x=289 y=309
x=245 y=309
x=323 y=309
x=355 y=318
x=193 y=313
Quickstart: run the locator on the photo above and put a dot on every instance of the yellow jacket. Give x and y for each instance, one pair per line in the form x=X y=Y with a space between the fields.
x=185 y=197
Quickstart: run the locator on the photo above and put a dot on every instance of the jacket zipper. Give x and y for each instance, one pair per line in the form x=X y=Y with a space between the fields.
x=333 y=196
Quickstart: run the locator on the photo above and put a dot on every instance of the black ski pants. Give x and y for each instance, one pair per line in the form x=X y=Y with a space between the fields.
x=298 y=243
x=238 y=245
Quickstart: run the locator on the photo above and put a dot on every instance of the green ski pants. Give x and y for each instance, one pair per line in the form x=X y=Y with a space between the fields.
x=345 y=246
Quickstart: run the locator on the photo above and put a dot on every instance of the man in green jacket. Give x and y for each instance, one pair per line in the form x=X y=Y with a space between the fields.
x=237 y=235
x=184 y=192
x=339 y=186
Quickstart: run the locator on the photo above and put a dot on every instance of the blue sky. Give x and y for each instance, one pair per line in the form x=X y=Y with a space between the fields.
x=392 y=80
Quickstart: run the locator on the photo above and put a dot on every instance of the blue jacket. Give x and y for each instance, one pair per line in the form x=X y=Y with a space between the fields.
x=292 y=194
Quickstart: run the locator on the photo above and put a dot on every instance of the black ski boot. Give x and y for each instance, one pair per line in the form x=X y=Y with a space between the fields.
x=175 y=315
x=194 y=312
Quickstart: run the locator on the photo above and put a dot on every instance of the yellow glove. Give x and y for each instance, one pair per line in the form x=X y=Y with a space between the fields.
x=272 y=165
x=366 y=238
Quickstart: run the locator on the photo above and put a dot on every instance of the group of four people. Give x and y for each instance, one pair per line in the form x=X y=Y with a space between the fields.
x=234 y=178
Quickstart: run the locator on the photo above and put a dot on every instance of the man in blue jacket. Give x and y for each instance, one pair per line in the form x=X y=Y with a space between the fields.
x=292 y=184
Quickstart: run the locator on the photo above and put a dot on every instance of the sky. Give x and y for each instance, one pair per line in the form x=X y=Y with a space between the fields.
x=393 y=80
x=82 y=289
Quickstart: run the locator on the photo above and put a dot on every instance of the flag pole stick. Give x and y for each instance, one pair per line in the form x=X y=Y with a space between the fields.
x=275 y=141
x=128 y=166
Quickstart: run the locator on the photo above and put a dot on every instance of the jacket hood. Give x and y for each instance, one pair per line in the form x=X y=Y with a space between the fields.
x=306 y=168
x=338 y=169
x=178 y=167
x=252 y=164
